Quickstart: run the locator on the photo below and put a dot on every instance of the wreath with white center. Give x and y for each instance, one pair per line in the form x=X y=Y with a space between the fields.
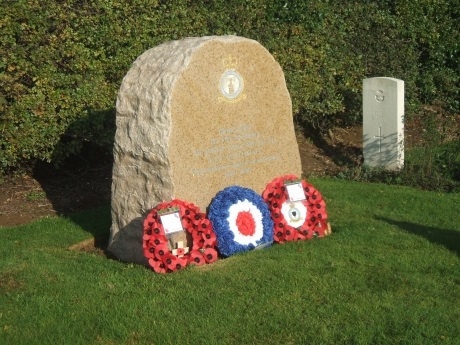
x=160 y=258
x=297 y=209
x=241 y=220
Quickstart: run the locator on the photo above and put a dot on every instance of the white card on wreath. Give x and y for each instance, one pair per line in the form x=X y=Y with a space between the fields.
x=171 y=222
x=295 y=191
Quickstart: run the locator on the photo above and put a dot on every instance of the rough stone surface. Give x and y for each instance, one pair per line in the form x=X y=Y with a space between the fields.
x=383 y=122
x=193 y=117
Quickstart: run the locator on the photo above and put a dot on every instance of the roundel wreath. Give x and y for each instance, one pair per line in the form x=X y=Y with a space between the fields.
x=296 y=220
x=241 y=220
x=155 y=243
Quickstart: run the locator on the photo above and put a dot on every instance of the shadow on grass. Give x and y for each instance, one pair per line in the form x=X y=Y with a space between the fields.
x=81 y=195
x=97 y=222
x=83 y=182
x=80 y=191
x=448 y=238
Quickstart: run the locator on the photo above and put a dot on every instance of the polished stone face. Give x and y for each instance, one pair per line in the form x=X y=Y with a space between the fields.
x=231 y=122
x=193 y=117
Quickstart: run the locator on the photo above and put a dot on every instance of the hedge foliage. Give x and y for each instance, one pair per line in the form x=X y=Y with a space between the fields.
x=62 y=61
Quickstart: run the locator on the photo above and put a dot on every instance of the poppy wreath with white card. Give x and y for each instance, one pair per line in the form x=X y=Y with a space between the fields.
x=177 y=215
x=297 y=209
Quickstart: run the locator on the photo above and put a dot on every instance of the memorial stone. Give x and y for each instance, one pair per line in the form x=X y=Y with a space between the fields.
x=193 y=117
x=383 y=122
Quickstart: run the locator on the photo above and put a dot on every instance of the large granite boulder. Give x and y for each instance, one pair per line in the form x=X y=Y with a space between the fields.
x=193 y=117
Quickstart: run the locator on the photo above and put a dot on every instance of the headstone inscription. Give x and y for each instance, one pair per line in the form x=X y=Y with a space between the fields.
x=193 y=117
x=383 y=122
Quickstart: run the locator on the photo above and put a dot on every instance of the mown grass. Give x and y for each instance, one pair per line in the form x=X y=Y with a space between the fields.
x=389 y=274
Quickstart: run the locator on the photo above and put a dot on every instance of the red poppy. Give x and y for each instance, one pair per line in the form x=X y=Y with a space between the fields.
x=206 y=225
x=210 y=255
x=185 y=221
x=173 y=262
x=197 y=234
x=147 y=234
x=307 y=233
x=315 y=197
x=209 y=238
x=157 y=265
x=299 y=236
x=281 y=225
x=170 y=261
x=278 y=236
x=157 y=229
x=149 y=220
x=193 y=207
x=155 y=242
x=179 y=252
x=269 y=191
x=320 y=205
x=186 y=205
x=198 y=244
x=290 y=234
x=321 y=216
x=181 y=263
x=149 y=250
x=308 y=188
x=161 y=250
x=283 y=197
x=284 y=230
x=197 y=219
x=196 y=258
x=181 y=204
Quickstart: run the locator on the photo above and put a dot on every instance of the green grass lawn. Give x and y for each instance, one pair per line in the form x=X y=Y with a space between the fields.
x=389 y=274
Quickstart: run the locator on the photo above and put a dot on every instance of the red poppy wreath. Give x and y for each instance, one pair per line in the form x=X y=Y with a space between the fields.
x=160 y=258
x=297 y=209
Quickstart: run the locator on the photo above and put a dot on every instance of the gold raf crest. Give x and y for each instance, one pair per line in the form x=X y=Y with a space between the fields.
x=231 y=84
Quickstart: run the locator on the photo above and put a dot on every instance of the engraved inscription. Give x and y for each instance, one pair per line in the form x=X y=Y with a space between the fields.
x=377 y=115
x=234 y=151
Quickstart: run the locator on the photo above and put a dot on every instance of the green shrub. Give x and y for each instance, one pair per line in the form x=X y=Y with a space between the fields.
x=61 y=62
x=433 y=164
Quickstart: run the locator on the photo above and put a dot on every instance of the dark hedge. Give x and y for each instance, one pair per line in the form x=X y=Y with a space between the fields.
x=61 y=62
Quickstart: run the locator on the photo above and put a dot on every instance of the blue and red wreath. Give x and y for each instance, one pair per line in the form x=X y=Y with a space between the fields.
x=241 y=220
x=296 y=220
x=160 y=258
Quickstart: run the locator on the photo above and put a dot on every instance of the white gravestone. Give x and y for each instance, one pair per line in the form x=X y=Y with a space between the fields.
x=383 y=122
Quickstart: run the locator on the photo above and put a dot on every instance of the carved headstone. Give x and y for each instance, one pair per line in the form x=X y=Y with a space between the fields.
x=383 y=122
x=193 y=117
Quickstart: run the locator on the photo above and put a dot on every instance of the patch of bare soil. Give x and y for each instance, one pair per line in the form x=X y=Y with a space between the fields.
x=329 y=154
x=91 y=246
